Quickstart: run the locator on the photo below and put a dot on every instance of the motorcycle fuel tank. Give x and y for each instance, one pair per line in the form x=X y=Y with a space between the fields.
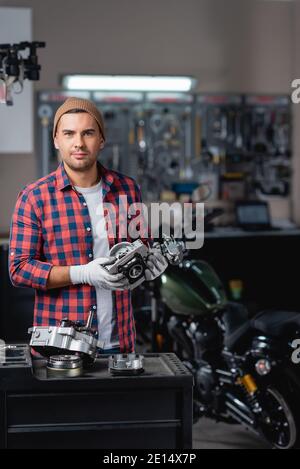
x=192 y=288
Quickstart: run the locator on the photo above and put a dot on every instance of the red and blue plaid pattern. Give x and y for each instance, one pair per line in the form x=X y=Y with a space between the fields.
x=51 y=226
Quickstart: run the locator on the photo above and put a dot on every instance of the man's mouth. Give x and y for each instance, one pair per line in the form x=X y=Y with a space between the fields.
x=79 y=154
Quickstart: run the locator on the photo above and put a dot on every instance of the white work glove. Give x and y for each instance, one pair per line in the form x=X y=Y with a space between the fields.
x=96 y=275
x=156 y=263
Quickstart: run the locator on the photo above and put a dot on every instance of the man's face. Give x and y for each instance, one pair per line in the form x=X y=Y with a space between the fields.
x=78 y=140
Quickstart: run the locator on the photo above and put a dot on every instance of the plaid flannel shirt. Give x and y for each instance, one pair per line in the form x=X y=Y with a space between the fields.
x=51 y=226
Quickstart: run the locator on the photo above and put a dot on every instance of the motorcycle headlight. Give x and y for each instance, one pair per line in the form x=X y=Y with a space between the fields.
x=263 y=367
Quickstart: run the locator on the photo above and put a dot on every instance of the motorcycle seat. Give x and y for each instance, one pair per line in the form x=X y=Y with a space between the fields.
x=236 y=323
x=276 y=323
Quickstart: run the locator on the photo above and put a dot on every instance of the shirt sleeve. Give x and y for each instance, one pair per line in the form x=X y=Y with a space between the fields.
x=26 y=265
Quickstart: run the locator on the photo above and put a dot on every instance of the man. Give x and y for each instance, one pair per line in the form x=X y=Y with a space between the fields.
x=60 y=237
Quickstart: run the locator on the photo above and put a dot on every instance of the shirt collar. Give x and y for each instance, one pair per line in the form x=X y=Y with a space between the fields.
x=63 y=180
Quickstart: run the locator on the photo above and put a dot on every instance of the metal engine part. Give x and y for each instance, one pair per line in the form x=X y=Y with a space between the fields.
x=67 y=336
x=205 y=384
x=130 y=260
x=126 y=364
x=65 y=365
x=173 y=250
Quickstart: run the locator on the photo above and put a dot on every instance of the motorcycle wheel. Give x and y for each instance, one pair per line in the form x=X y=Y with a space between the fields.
x=282 y=431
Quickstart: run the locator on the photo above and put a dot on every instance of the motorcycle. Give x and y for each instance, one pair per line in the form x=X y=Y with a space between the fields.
x=243 y=368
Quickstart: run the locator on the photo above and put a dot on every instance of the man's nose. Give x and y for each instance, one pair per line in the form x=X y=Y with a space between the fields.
x=78 y=143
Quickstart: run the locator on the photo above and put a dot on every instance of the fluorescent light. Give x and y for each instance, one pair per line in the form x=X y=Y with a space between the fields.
x=127 y=83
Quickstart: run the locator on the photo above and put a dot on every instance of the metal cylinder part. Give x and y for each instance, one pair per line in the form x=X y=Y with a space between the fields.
x=65 y=365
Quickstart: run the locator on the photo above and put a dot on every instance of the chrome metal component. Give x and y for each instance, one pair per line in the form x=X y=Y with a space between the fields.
x=64 y=362
x=67 y=336
x=238 y=410
x=14 y=355
x=237 y=414
x=89 y=320
x=263 y=367
x=65 y=365
x=173 y=250
x=121 y=249
x=130 y=260
x=135 y=271
x=130 y=363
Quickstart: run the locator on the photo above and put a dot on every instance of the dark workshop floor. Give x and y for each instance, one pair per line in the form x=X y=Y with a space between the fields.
x=207 y=434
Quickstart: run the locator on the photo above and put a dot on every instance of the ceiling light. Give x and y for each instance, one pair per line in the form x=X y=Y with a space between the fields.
x=128 y=83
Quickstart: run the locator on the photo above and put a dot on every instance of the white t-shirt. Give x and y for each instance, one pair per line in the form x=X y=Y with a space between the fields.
x=107 y=318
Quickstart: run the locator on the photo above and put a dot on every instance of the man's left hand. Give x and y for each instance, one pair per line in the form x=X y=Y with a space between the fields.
x=156 y=264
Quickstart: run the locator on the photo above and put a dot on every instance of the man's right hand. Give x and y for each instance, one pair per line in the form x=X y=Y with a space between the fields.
x=95 y=274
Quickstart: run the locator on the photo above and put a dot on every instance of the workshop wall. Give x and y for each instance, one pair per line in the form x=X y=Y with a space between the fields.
x=230 y=46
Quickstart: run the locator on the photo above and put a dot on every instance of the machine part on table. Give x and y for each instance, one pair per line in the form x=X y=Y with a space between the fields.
x=72 y=336
x=14 y=355
x=65 y=365
x=126 y=364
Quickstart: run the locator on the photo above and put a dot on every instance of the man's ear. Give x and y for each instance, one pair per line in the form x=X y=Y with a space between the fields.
x=56 y=144
x=101 y=145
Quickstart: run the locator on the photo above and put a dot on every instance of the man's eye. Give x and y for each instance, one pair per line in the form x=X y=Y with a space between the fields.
x=89 y=132
x=68 y=134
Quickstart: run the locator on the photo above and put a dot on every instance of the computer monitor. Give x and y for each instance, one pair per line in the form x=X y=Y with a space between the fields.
x=253 y=215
